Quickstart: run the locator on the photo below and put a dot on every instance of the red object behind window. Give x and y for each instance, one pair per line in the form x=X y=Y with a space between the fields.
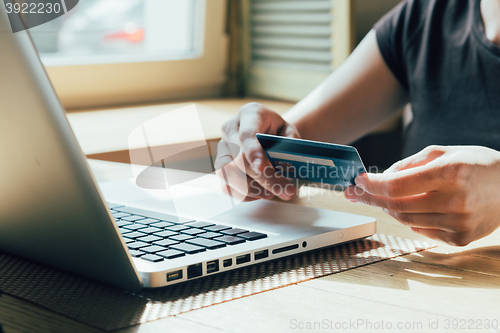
x=135 y=36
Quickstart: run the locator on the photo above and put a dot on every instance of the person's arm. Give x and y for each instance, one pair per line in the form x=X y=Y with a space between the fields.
x=357 y=97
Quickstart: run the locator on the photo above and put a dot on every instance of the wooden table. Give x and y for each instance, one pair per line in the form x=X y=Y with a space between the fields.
x=426 y=288
x=103 y=133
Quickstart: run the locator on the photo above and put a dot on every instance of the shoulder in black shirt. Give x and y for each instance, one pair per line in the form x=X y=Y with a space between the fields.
x=438 y=51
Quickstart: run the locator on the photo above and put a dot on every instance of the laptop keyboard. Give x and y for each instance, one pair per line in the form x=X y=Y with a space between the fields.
x=157 y=237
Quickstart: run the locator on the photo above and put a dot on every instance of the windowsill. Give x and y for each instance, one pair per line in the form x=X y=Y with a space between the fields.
x=50 y=60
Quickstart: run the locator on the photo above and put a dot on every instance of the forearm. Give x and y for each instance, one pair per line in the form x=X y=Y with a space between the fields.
x=358 y=97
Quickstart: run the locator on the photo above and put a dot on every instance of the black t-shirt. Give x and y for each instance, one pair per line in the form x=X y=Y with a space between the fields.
x=439 y=52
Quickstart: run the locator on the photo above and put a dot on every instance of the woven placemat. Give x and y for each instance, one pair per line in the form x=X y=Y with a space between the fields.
x=108 y=308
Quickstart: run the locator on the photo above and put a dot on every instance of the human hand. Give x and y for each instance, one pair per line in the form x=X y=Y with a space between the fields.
x=447 y=193
x=262 y=181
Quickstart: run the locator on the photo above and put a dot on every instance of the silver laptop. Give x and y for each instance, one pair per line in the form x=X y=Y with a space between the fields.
x=53 y=211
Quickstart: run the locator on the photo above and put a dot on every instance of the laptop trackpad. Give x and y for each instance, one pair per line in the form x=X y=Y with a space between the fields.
x=264 y=215
x=271 y=217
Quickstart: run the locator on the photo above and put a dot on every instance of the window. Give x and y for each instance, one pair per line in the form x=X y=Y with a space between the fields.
x=148 y=51
x=107 y=31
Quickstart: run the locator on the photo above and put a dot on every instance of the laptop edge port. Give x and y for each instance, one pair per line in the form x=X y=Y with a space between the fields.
x=261 y=254
x=172 y=276
x=242 y=259
x=212 y=266
x=227 y=262
x=286 y=248
x=195 y=271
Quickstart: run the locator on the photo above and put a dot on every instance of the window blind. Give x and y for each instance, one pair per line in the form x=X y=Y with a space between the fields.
x=295 y=45
x=292 y=34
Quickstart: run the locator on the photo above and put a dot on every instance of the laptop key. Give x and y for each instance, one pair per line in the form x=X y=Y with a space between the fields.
x=192 y=231
x=136 y=245
x=171 y=254
x=166 y=233
x=177 y=228
x=147 y=221
x=166 y=242
x=134 y=227
x=150 y=230
x=161 y=224
x=133 y=218
x=252 y=235
x=233 y=231
x=217 y=228
x=149 y=239
x=123 y=223
x=124 y=231
x=152 y=258
x=152 y=249
x=188 y=248
x=200 y=224
x=208 y=243
x=118 y=215
x=230 y=240
x=181 y=238
x=156 y=215
x=128 y=240
x=209 y=235
x=136 y=253
x=135 y=234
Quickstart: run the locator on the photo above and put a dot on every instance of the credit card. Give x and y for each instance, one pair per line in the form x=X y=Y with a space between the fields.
x=312 y=161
